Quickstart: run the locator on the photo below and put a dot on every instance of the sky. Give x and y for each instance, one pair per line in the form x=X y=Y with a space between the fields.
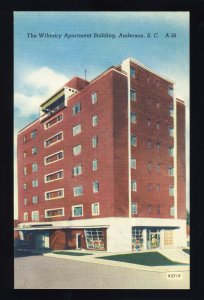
x=43 y=64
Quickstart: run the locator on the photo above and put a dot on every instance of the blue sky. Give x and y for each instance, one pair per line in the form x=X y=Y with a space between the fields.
x=42 y=65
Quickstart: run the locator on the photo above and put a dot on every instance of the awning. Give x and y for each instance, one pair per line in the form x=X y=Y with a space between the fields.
x=58 y=227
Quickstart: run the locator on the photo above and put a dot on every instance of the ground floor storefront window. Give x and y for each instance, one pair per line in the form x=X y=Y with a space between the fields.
x=153 y=239
x=137 y=239
x=145 y=238
x=94 y=239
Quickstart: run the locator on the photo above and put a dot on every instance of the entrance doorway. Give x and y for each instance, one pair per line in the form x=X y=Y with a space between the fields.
x=42 y=241
x=78 y=241
x=153 y=239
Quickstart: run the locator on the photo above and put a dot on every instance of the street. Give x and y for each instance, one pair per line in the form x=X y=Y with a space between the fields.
x=41 y=272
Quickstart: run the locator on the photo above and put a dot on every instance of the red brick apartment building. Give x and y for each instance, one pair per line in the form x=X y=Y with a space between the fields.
x=103 y=167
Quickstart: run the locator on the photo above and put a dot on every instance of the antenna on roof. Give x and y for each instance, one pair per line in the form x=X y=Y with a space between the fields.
x=85 y=73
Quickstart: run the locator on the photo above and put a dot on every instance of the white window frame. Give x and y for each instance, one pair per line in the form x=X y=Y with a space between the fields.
x=75 y=147
x=53 y=198
x=94 y=184
x=24 y=154
x=171 y=171
x=25 y=216
x=171 y=91
x=133 y=92
x=95 y=164
x=133 y=163
x=73 y=108
x=33 y=214
x=73 y=207
x=55 y=172
x=133 y=185
x=94 y=142
x=25 y=201
x=132 y=72
x=75 y=193
x=171 y=191
x=61 y=132
x=36 y=197
x=158 y=125
x=171 y=111
x=171 y=151
x=34 y=167
x=36 y=184
x=95 y=120
x=33 y=134
x=25 y=171
x=76 y=129
x=34 y=150
x=133 y=117
x=171 y=131
x=92 y=209
x=135 y=205
x=53 y=209
x=60 y=151
x=25 y=186
x=131 y=139
x=172 y=211
x=78 y=168
x=94 y=98
x=45 y=128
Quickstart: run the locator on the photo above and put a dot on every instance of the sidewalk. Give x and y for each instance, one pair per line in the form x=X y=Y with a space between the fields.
x=94 y=259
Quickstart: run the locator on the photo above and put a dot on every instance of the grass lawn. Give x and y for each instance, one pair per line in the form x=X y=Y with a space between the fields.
x=71 y=253
x=186 y=251
x=146 y=259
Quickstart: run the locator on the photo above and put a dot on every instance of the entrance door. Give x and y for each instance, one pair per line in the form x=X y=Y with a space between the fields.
x=78 y=241
x=153 y=239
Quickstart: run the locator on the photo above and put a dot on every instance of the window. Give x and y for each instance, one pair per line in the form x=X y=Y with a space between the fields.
x=158 y=168
x=25 y=186
x=25 y=201
x=132 y=72
x=148 y=122
x=77 y=150
x=149 y=166
x=94 y=238
x=35 y=199
x=133 y=140
x=35 y=215
x=53 y=122
x=158 y=146
x=54 y=139
x=158 y=105
x=77 y=210
x=94 y=142
x=95 y=120
x=158 y=209
x=78 y=191
x=95 y=165
x=149 y=144
x=149 y=187
x=95 y=187
x=158 y=187
x=149 y=209
x=133 y=117
x=157 y=83
x=170 y=171
x=133 y=185
x=33 y=134
x=171 y=191
x=94 y=98
x=133 y=163
x=24 y=154
x=132 y=95
x=34 y=167
x=172 y=212
x=171 y=131
x=54 y=194
x=171 y=151
x=24 y=139
x=54 y=157
x=76 y=108
x=95 y=209
x=76 y=129
x=133 y=208
x=77 y=170
x=171 y=91
x=34 y=150
x=57 y=175
x=56 y=212
x=35 y=183
x=158 y=125
x=25 y=216
x=25 y=170
x=171 y=111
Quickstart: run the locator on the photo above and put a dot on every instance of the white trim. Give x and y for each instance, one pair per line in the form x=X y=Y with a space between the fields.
x=25 y=214
x=62 y=170
x=60 y=151
x=73 y=207
x=52 y=137
x=98 y=209
x=31 y=124
x=76 y=154
x=32 y=213
x=77 y=244
x=56 y=190
x=46 y=210
x=175 y=157
x=78 y=127
x=45 y=128
x=78 y=187
x=79 y=165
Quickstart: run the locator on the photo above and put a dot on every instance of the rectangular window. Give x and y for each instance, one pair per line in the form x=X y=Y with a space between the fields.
x=24 y=154
x=76 y=129
x=158 y=168
x=149 y=144
x=57 y=175
x=35 y=199
x=54 y=194
x=158 y=209
x=77 y=150
x=76 y=108
x=158 y=187
x=171 y=151
x=25 y=216
x=171 y=191
x=158 y=146
x=77 y=210
x=25 y=186
x=78 y=191
x=95 y=187
x=95 y=165
x=133 y=117
x=170 y=171
x=133 y=95
x=33 y=134
x=132 y=72
x=34 y=167
x=95 y=120
x=133 y=140
x=56 y=212
x=148 y=122
x=94 y=142
x=171 y=91
x=171 y=111
x=158 y=125
x=149 y=166
x=25 y=170
x=172 y=212
x=149 y=187
x=171 y=131
x=133 y=163
x=53 y=122
x=35 y=215
x=94 y=238
x=54 y=157
x=95 y=209
x=133 y=185
x=158 y=105
x=134 y=208
x=77 y=170
x=34 y=183
x=54 y=139
x=34 y=150
x=94 y=98
x=24 y=139
x=25 y=201
x=149 y=208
